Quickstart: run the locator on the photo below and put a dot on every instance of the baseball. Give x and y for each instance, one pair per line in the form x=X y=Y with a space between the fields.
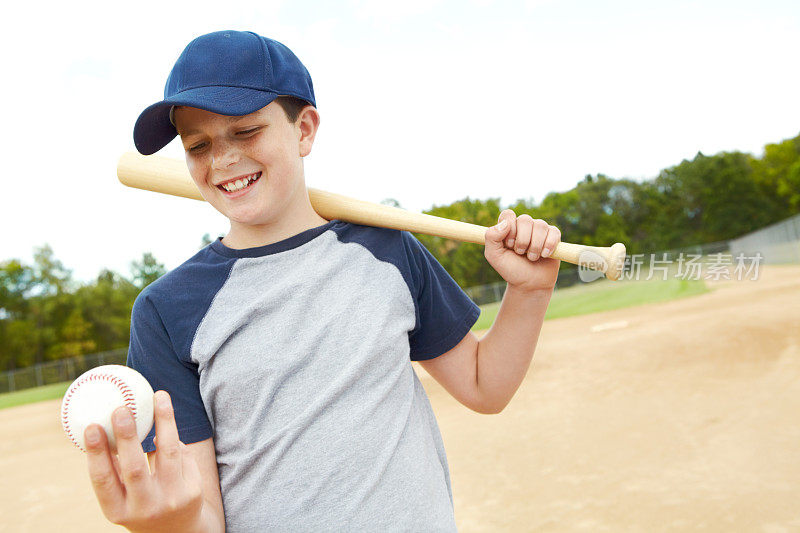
x=94 y=396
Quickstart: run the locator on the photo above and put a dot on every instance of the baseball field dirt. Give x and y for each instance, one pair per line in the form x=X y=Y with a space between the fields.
x=678 y=416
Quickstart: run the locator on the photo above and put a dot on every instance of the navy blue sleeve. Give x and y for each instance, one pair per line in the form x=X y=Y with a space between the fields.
x=445 y=314
x=151 y=353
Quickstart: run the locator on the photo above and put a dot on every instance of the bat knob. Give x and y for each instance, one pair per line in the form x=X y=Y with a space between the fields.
x=615 y=261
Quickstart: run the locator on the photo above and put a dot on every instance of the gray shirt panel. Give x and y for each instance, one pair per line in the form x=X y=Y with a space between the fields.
x=320 y=422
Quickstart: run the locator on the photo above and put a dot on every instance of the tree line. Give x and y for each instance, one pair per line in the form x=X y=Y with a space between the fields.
x=45 y=315
x=709 y=198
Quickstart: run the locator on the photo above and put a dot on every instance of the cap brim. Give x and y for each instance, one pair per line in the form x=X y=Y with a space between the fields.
x=153 y=130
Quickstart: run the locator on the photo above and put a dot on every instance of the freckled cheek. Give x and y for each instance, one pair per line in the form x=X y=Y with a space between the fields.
x=276 y=160
x=197 y=172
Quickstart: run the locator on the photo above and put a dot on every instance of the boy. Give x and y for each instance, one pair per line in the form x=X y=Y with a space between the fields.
x=281 y=353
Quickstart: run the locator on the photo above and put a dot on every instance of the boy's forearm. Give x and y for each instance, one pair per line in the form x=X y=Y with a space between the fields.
x=505 y=352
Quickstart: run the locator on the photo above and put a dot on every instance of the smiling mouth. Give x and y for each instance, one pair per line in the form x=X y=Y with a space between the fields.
x=241 y=183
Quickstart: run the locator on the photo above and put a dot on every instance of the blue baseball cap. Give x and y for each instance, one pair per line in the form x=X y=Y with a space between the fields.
x=227 y=72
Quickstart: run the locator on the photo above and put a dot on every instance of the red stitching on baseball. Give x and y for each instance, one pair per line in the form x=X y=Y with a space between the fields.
x=127 y=398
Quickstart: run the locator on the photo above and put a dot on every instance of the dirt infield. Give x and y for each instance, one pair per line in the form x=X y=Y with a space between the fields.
x=667 y=417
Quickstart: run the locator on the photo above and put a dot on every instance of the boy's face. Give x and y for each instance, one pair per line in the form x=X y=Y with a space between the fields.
x=262 y=150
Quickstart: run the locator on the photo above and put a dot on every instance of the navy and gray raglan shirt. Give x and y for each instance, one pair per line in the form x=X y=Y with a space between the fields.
x=296 y=358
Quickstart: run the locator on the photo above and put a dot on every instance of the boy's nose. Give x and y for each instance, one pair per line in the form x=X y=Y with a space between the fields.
x=224 y=157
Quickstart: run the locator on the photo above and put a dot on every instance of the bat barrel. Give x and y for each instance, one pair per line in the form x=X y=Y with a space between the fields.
x=157 y=174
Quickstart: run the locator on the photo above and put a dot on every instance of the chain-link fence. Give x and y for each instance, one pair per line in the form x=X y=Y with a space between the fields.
x=486 y=294
x=687 y=263
x=702 y=250
x=493 y=292
x=58 y=371
x=778 y=243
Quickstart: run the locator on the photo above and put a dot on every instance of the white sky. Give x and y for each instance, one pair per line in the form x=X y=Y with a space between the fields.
x=423 y=101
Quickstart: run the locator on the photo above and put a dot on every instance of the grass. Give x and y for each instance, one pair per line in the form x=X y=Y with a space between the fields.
x=603 y=295
x=36 y=394
x=580 y=299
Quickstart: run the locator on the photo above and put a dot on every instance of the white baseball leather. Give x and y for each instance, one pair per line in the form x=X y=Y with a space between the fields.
x=94 y=396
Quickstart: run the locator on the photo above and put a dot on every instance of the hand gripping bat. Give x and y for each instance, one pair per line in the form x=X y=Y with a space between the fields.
x=170 y=176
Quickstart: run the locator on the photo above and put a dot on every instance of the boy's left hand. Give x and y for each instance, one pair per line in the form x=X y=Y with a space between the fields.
x=519 y=251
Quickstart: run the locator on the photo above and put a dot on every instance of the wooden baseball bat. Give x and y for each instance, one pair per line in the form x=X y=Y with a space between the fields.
x=170 y=176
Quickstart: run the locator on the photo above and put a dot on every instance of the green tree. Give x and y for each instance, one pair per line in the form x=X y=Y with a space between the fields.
x=16 y=284
x=49 y=274
x=778 y=173
x=16 y=348
x=74 y=337
x=595 y=212
x=106 y=304
x=710 y=198
x=147 y=270
x=465 y=262
x=50 y=302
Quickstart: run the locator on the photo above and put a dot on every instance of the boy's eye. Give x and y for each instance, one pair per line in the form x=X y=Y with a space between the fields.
x=200 y=146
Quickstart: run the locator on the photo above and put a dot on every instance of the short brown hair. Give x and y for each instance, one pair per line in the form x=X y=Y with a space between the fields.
x=292 y=106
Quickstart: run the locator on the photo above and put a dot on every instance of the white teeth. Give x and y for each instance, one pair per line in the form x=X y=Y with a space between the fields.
x=240 y=183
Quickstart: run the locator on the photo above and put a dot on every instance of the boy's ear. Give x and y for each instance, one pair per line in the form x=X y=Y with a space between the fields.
x=307 y=124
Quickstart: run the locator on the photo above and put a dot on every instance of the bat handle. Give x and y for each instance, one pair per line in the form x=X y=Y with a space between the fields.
x=609 y=260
